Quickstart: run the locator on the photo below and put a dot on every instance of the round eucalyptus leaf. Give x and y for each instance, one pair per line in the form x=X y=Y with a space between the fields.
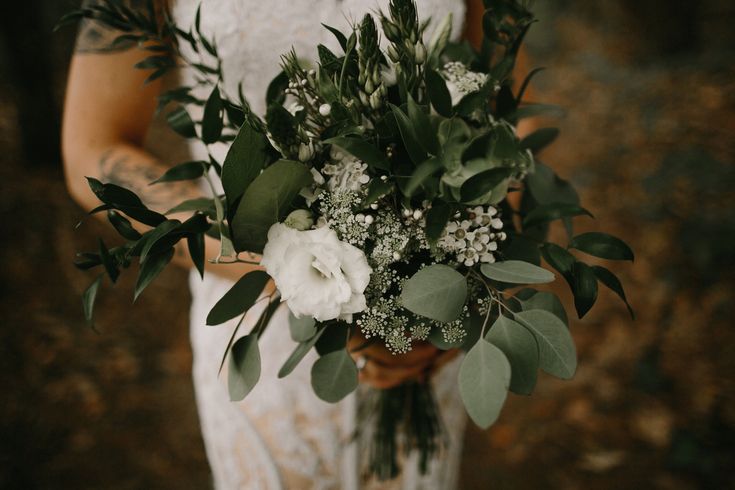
x=244 y=367
x=520 y=347
x=437 y=292
x=517 y=272
x=542 y=300
x=302 y=329
x=484 y=377
x=557 y=354
x=334 y=376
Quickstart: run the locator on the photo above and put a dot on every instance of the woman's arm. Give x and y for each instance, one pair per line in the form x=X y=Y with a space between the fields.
x=107 y=113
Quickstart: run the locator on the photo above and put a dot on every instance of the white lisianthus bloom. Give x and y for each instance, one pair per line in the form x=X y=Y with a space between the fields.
x=317 y=274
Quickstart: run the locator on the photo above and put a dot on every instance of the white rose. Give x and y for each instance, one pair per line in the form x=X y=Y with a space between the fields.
x=316 y=273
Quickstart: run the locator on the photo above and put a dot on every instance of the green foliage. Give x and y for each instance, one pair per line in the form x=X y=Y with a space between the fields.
x=557 y=354
x=602 y=245
x=520 y=348
x=484 y=378
x=150 y=269
x=267 y=200
x=334 y=376
x=183 y=171
x=302 y=329
x=245 y=159
x=437 y=292
x=361 y=149
x=516 y=272
x=551 y=212
x=240 y=298
x=244 y=367
x=300 y=351
x=89 y=297
x=212 y=120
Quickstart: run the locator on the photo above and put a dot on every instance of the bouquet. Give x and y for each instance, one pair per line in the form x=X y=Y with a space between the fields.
x=375 y=188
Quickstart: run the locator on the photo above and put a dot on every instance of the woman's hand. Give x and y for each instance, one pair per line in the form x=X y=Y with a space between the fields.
x=384 y=370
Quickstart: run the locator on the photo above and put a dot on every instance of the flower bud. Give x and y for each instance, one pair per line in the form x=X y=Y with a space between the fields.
x=393 y=54
x=301 y=220
x=369 y=87
x=420 y=53
x=305 y=152
x=375 y=101
x=325 y=109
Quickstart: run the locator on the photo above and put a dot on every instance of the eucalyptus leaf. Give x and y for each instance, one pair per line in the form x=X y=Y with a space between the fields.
x=531 y=299
x=557 y=353
x=484 y=378
x=240 y=298
x=602 y=245
x=520 y=347
x=302 y=329
x=516 y=272
x=334 y=376
x=301 y=350
x=266 y=200
x=437 y=292
x=244 y=367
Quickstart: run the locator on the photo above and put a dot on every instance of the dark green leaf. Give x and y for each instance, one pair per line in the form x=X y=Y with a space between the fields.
x=584 y=287
x=244 y=161
x=275 y=94
x=334 y=376
x=410 y=141
x=212 y=122
x=557 y=354
x=437 y=292
x=180 y=121
x=539 y=139
x=438 y=93
x=126 y=201
x=195 y=243
x=244 y=367
x=361 y=149
x=376 y=189
x=559 y=259
x=484 y=377
x=437 y=218
x=109 y=262
x=239 y=299
x=266 y=200
x=161 y=231
x=546 y=187
x=482 y=183
x=88 y=298
x=202 y=204
x=520 y=347
x=421 y=174
x=123 y=226
x=521 y=247
x=532 y=110
x=422 y=127
x=516 y=272
x=602 y=245
x=341 y=38
x=550 y=212
x=150 y=269
x=183 y=171
x=611 y=281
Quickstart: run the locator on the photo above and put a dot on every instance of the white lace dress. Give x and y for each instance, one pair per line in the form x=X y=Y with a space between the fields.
x=282 y=436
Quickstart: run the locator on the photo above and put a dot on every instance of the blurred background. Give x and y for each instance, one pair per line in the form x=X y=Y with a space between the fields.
x=649 y=141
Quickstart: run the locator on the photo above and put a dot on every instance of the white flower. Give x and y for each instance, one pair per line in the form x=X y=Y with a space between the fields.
x=461 y=81
x=317 y=274
x=346 y=173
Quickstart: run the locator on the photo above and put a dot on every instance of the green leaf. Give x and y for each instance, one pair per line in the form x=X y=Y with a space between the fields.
x=301 y=350
x=123 y=226
x=150 y=269
x=302 y=329
x=244 y=161
x=266 y=200
x=160 y=232
x=341 y=38
x=436 y=89
x=239 y=299
x=183 y=171
x=516 y=272
x=484 y=377
x=334 y=376
x=180 y=121
x=611 y=281
x=109 y=262
x=212 y=122
x=244 y=367
x=437 y=292
x=520 y=347
x=532 y=110
x=422 y=127
x=550 y=212
x=408 y=136
x=482 y=183
x=558 y=258
x=437 y=218
x=557 y=354
x=602 y=245
x=539 y=139
x=546 y=187
x=376 y=189
x=124 y=200
x=88 y=298
x=361 y=149
x=531 y=299
x=584 y=287
x=521 y=247
x=195 y=244
x=203 y=204
x=275 y=94
x=421 y=174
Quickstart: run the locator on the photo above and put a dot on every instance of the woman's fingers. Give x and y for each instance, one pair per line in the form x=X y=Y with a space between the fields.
x=383 y=377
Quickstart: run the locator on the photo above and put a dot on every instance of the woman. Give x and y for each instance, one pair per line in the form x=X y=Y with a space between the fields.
x=281 y=436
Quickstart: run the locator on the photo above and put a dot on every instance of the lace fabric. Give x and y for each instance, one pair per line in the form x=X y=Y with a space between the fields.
x=282 y=436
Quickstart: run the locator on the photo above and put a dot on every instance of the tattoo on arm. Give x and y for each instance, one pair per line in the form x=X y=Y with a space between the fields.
x=119 y=170
x=96 y=37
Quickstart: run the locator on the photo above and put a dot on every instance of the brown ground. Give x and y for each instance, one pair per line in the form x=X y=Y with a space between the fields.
x=648 y=141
